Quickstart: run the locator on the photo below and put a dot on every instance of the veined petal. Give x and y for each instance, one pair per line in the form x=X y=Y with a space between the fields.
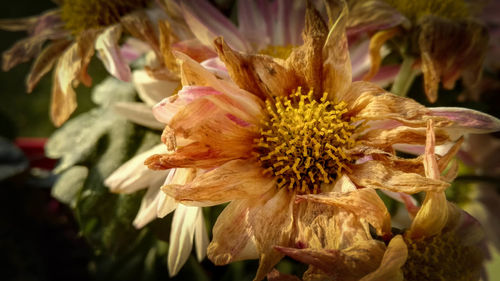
x=376 y=175
x=394 y=258
x=275 y=214
x=110 y=55
x=384 y=138
x=365 y=203
x=133 y=175
x=233 y=234
x=211 y=23
x=139 y=25
x=217 y=67
x=181 y=237
x=151 y=90
x=195 y=49
x=371 y=15
x=138 y=113
x=237 y=179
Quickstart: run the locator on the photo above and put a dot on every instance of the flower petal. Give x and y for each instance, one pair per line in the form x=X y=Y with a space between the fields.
x=110 y=55
x=365 y=203
x=138 y=113
x=237 y=179
x=394 y=258
x=152 y=90
x=200 y=236
x=139 y=25
x=371 y=15
x=181 y=237
x=467 y=120
x=133 y=175
x=376 y=175
x=206 y=23
x=337 y=64
x=44 y=62
x=252 y=25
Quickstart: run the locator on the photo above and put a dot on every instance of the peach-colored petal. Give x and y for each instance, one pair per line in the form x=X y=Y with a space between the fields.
x=237 y=179
x=106 y=45
x=257 y=74
x=275 y=214
x=152 y=90
x=337 y=64
x=44 y=62
x=376 y=175
x=235 y=101
x=385 y=138
x=217 y=67
x=233 y=234
x=195 y=49
x=394 y=258
x=206 y=23
x=365 y=203
x=348 y=265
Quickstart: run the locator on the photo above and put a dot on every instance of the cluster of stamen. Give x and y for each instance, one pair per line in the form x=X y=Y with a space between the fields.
x=79 y=15
x=441 y=257
x=303 y=142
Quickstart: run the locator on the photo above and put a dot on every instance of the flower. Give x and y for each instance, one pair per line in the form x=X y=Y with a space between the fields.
x=75 y=30
x=444 y=35
x=284 y=128
x=441 y=244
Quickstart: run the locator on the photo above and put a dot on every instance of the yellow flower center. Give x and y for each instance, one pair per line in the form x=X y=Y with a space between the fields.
x=441 y=257
x=79 y=15
x=281 y=52
x=415 y=9
x=303 y=142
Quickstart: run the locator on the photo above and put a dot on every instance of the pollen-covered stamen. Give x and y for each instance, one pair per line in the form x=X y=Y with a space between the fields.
x=441 y=257
x=303 y=142
x=79 y=15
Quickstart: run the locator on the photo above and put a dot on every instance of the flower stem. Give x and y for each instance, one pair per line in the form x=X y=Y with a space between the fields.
x=405 y=77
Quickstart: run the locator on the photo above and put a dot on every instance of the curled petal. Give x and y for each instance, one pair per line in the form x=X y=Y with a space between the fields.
x=216 y=66
x=109 y=52
x=234 y=180
x=260 y=75
x=376 y=43
x=139 y=25
x=394 y=258
x=376 y=175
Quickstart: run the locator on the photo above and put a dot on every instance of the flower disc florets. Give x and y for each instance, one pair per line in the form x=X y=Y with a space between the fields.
x=79 y=15
x=303 y=142
x=441 y=257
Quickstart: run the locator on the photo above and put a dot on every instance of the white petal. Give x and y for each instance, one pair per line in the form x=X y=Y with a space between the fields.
x=110 y=54
x=151 y=90
x=147 y=211
x=166 y=204
x=133 y=174
x=181 y=237
x=139 y=113
x=200 y=236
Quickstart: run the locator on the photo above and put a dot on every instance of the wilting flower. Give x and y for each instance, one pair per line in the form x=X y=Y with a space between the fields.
x=283 y=128
x=441 y=244
x=444 y=37
x=75 y=30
